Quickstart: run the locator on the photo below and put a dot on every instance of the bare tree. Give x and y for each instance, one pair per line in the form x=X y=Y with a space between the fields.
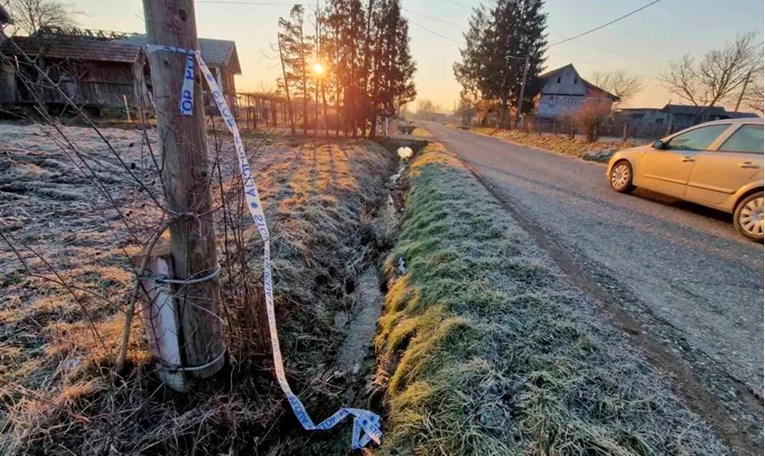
x=29 y=16
x=619 y=83
x=266 y=87
x=425 y=106
x=719 y=75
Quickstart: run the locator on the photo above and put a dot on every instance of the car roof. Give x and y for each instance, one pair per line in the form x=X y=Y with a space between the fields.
x=745 y=120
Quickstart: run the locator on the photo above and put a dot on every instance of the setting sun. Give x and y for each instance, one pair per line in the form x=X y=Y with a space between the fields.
x=318 y=68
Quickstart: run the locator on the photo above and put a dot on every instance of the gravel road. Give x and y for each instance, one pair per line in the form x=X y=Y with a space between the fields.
x=680 y=270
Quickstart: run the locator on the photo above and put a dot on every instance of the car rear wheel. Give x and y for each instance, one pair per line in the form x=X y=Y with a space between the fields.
x=621 y=177
x=749 y=215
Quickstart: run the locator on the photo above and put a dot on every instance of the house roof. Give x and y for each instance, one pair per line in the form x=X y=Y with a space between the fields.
x=216 y=53
x=71 y=48
x=694 y=110
x=5 y=17
x=552 y=73
x=741 y=115
x=640 y=109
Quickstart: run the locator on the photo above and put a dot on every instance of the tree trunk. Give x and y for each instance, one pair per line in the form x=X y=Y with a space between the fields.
x=324 y=102
x=373 y=125
x=286 y=86
x=305 y=82
x=503 y=124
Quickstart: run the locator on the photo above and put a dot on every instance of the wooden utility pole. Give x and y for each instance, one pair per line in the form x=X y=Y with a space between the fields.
x=743 y=91
x=523 y=90
x=186 y=174
x=286 y=86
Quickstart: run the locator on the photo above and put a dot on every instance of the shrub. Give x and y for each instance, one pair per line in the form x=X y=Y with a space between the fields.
x=589 y=117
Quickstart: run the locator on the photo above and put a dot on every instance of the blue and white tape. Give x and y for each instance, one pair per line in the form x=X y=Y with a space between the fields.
x=366 y=425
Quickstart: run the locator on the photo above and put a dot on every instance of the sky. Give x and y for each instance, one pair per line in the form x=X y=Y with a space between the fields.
x=642 y=44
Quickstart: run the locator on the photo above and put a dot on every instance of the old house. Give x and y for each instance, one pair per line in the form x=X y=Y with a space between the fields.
x=96 y=69
x=684 y=116
x=564 y=92
x=222 y=59
x=644 y=117
x=93 y=73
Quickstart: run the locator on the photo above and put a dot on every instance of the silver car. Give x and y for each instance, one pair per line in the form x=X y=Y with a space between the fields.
x=716 y=164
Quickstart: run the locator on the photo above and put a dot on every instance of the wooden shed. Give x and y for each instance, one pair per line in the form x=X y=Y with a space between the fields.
x=220 y=56
x=93 y=73
x=96 y=69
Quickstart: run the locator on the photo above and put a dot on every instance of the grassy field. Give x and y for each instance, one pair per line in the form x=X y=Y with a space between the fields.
x=560 y=144
x=486 y=349
x=62 y=310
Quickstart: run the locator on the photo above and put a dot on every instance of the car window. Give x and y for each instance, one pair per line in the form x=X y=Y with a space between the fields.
x=698 y=139
x=748 y=138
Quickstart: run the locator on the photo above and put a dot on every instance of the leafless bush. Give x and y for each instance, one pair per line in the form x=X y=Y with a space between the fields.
x=589 y=117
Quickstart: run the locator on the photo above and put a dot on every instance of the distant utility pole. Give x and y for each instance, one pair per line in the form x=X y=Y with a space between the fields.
x=743 y=91
x=186 y=174
x=523 y=90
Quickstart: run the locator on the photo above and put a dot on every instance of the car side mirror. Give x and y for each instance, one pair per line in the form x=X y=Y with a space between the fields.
x=659 y=144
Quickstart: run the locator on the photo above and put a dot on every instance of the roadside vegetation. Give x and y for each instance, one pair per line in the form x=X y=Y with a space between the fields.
x=560 y=144
x=62 y=311
x=486 y=349
x=419 y=131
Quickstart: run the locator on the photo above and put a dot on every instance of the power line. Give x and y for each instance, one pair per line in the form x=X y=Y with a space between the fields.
x=460 y=4
x=606 y=24
x=434 y=32
x=652 y=62
x=432 y=18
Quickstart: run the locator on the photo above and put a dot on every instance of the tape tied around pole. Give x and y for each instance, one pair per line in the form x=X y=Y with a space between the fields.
x=366 y=425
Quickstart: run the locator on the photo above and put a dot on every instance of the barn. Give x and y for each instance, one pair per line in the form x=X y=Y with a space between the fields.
x=93 y=73
x=95 y=69
x=220 y=56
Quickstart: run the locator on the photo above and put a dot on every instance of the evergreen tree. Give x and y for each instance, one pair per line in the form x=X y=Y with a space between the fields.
x=392 y=64
x=364 y=49
x=297 y=47
x=530 y=26
x=497 y=43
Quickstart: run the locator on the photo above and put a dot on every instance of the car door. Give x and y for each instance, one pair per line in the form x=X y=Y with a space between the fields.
x=720 y=173
x=668 y=170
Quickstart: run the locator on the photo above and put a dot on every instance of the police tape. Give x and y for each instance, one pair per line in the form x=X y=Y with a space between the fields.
x=366 y=425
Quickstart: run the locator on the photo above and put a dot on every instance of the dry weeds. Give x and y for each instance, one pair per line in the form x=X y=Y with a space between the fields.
x=560 y=144
x=57 y=394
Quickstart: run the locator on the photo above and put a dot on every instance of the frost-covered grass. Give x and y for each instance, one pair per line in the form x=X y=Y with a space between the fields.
x=419 y=131
x=486 y=349
x=57 y=393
